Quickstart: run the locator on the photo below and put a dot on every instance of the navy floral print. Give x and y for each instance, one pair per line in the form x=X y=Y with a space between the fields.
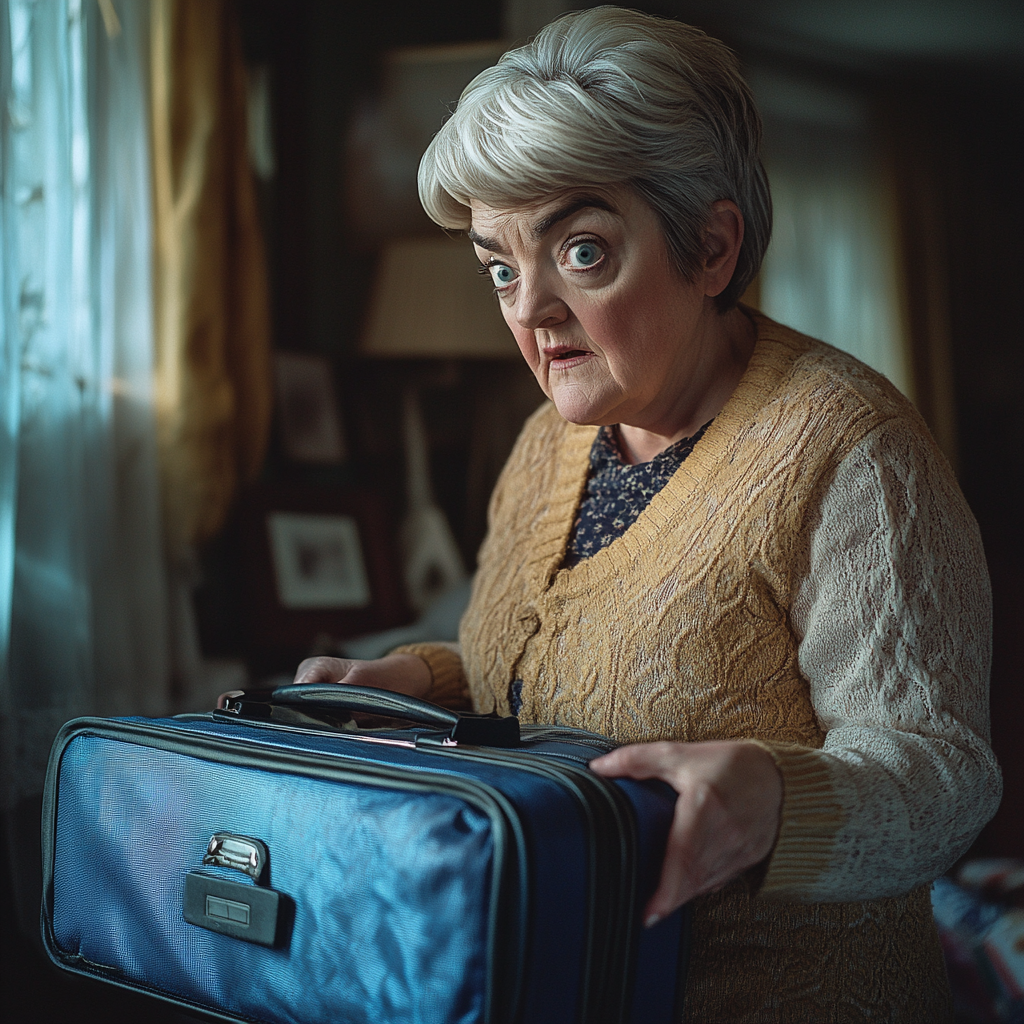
x=617 y=492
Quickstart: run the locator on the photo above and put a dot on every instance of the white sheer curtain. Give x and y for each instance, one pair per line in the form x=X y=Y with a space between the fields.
x=832 y=269
x=83 y=624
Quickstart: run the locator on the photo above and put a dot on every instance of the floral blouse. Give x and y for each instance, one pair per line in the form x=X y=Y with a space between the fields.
x=618 y=492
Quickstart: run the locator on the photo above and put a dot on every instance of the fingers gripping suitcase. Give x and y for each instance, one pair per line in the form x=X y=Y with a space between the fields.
x=273 y=862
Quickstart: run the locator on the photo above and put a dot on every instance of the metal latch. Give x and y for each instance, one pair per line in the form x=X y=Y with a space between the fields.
x=243 y=910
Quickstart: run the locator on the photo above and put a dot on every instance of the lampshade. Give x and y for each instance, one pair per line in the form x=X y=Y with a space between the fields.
x=429 y=301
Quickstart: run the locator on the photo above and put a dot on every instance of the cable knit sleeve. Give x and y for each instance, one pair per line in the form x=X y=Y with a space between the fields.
x=894 y=626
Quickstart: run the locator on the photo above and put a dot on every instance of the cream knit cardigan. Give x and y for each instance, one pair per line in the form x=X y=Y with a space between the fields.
x=810 y=578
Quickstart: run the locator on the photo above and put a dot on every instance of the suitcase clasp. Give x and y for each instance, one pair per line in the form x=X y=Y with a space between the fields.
x=243 y=853
x=239 y=909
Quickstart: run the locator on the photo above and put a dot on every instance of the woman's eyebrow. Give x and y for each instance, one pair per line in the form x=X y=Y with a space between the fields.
x=542 y=227
x=490 y=244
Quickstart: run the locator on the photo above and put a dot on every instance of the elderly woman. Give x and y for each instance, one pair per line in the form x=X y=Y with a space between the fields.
x=734 y=549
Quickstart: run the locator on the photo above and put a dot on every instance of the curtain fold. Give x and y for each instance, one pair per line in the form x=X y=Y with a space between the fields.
x=212 y=317
x=10 y=378
x=858 y=253
x=832 y=269
x=134 y=362
x=130 y=618
x=82 y=588
x=914 y=162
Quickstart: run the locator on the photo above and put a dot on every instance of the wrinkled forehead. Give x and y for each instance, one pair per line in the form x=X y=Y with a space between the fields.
x=533 y=220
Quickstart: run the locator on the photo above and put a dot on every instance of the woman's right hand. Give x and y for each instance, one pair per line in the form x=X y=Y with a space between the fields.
x=401 y=673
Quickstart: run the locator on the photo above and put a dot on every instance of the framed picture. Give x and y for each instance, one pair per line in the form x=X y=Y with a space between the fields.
x=307 y=409
x=318 y=562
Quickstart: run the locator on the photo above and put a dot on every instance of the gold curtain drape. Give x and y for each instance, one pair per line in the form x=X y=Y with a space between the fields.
x=210 y=290
x=912 y=150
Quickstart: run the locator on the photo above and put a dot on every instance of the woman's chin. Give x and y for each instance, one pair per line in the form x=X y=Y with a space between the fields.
x=579 y=408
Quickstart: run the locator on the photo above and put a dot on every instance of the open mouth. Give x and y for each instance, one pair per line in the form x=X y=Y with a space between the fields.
x=566 y=354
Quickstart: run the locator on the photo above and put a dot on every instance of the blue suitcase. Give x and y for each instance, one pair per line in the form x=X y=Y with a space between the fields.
x=276 y=862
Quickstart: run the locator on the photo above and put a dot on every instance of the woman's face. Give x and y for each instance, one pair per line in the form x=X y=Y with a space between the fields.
x=605 y=321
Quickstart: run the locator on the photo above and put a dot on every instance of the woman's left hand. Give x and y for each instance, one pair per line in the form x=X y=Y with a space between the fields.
x=726 y=817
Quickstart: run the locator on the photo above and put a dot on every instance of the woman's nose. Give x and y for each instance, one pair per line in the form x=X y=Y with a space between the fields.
x=538 y=305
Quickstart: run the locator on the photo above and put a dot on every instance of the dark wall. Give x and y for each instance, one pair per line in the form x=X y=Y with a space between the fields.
x=979 y=127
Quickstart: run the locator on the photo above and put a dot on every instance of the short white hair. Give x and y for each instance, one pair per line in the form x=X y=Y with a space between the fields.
x=610 y=97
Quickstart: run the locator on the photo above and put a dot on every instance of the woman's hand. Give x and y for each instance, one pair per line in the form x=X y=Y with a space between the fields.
x=401 y=673
x=726 y=817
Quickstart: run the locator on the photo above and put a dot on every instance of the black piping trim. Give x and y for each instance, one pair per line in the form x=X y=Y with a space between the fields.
x=683 y=963
x=616 y=939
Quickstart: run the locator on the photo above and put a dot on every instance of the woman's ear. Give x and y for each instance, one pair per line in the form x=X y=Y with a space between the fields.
x=723 y=236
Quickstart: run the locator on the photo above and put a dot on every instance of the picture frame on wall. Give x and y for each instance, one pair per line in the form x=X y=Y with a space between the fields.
x=319 y=562
x=307 y=409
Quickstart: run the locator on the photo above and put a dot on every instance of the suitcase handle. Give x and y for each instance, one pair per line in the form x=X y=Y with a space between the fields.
x=491 y=730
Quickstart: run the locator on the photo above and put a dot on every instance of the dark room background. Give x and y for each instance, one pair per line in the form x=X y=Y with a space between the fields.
x=935 y=87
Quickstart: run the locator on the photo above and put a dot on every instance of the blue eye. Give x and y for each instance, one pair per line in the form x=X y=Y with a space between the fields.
x=584 y=254
x=501 y=274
